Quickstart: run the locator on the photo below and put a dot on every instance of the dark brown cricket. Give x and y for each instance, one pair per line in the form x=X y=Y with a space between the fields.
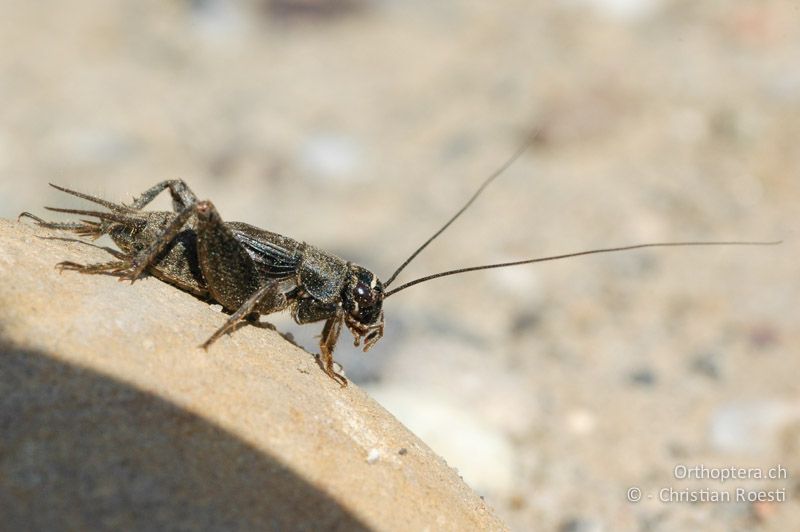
x=253 y=272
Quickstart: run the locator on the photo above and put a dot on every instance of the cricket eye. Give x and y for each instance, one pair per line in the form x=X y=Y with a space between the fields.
x=364 y=294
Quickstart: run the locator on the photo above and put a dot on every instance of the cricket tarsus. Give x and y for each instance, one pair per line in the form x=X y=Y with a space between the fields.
x=113 y=267
x=83 y=228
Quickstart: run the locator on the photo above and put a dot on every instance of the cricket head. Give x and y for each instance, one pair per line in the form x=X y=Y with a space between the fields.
x=362 y=300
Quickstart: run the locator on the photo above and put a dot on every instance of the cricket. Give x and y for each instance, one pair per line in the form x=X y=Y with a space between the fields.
x=252 y=272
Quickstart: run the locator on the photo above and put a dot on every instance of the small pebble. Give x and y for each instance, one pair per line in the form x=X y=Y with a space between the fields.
x=519 y=283
x=764 y=337
x=626 y=10
x=373 y=456
x=581 y=422
x=525 y=322
x=215 y=307
x=332 y=157
x=706 y=364
x=642 y=377
x=579 y=524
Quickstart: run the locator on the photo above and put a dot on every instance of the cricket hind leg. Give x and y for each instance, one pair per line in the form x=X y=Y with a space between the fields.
x=114 y=267
x=82 y=228
x=187 y=207
x=228 y=270
x=182 y=195
x=184 y=202
x=149 y=256
x=117 y=207
x=120 y=214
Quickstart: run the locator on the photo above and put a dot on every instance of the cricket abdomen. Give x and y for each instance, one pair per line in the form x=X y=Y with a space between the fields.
x=177 y=264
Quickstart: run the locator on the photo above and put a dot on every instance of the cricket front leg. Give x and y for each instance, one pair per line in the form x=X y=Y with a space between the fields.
x=330 y=334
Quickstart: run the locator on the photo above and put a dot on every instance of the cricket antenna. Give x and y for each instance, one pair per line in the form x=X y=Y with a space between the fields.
x=497 y=173
x=576 y=254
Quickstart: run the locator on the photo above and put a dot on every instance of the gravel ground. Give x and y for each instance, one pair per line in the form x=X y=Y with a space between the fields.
x=360 y=126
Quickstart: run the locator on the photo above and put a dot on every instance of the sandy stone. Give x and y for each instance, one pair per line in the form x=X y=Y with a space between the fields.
x=113 y=418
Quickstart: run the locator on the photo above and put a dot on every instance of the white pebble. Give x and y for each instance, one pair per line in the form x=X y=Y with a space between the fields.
x=621 y=9
x=332 y=157
x=581 y=422
x=373 y=456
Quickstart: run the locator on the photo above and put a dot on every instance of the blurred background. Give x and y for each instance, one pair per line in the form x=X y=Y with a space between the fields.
x=360 y=126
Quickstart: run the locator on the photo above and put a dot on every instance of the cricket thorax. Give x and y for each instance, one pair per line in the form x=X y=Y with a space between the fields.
x=362 y=301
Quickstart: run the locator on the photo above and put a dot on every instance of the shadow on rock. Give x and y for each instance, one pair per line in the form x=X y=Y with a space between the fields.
x=79 y=450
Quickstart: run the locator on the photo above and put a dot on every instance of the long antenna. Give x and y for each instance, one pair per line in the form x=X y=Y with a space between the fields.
x=576 y=254
x=520 y=151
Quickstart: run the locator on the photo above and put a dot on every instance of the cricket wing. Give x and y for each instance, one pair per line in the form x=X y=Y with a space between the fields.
x=276 y=256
